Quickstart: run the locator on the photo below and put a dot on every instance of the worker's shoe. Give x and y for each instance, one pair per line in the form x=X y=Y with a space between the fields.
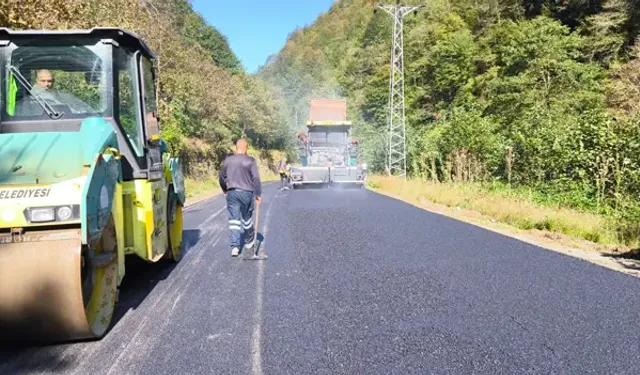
x=249 y=246
x=235 y=252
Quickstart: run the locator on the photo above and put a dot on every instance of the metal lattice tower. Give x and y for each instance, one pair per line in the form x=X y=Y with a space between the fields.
x=397 y=130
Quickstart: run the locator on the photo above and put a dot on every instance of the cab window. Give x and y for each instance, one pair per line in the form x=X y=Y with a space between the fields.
x=149 y=95
x=128 y=102
x=54 y=82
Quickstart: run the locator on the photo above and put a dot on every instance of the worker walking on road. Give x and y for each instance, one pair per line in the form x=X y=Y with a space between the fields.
x=240 y=182
x=283 y=170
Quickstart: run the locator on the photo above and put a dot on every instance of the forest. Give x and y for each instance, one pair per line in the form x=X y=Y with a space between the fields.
x=206 y=99
x=541 y=97
x=535 y=95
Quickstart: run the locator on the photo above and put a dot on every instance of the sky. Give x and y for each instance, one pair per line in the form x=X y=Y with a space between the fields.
x=256 y=29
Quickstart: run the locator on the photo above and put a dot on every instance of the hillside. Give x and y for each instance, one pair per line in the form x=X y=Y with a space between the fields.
x=538 y=98
x=541 y=95
x=206 y=99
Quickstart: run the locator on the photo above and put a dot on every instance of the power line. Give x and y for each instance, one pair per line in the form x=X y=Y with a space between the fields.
x=397 y=161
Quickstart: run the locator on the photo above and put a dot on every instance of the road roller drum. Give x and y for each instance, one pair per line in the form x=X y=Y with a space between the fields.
x=41 y=291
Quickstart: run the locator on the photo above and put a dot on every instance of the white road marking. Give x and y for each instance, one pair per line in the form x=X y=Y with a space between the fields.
x=194 y=253
x=256 y=336
x=208 y=225
x=210 y=218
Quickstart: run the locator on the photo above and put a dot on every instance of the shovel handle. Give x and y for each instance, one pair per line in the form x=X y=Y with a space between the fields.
x=255 y=231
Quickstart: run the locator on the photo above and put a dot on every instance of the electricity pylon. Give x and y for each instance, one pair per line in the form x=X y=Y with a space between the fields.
x=397 y=129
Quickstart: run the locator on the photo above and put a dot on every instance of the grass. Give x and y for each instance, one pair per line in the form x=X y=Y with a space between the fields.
x=512 y=207
x=199 y=186
x=208 y=183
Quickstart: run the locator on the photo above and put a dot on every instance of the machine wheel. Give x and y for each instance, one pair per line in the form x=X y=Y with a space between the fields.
x=174 y=226
x=99 y=276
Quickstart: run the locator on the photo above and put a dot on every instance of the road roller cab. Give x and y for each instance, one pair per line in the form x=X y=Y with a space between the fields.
x=85 y=178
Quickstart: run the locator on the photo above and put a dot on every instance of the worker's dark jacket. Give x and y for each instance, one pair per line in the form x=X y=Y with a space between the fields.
x=240 y=172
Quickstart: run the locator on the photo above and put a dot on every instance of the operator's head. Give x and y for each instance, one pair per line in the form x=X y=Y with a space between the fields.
x=45 y=79
x=242 y=146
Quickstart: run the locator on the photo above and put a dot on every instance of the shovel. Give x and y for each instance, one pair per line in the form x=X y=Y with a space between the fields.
x=256 y=242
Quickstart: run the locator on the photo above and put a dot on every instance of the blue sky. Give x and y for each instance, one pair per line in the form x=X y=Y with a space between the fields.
x=256 y=29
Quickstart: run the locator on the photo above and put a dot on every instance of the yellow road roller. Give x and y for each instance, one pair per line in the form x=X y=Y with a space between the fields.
x=85 y=179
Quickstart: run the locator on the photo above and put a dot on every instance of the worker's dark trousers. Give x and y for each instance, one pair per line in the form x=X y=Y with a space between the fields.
x=240 y=205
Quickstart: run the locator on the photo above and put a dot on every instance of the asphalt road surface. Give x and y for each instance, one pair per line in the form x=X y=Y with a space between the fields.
x=357 y=283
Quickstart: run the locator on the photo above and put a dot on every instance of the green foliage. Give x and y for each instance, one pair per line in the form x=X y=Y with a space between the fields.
x=538 y=96
x=206 y=101
x=196 y=30
x=535 y=94
x=76 y=84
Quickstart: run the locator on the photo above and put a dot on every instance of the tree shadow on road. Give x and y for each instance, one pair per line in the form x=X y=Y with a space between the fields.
x=629 y=259
x=142 y=277
x=20 y=353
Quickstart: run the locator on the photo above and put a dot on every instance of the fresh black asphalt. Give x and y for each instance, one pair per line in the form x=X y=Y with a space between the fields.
x=358 y=283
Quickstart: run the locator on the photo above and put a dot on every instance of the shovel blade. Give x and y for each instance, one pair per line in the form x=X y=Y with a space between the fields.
x=255 y=255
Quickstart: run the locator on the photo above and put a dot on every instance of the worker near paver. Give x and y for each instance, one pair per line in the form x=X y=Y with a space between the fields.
x=305 y=146
x=240 y=182
x=283 y=170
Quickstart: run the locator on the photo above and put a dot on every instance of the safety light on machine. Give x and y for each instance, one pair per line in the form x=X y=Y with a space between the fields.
x=41 y=215
x=64 y=213
x=52 y=214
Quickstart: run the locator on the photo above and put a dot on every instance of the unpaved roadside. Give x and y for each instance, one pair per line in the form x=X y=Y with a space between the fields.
x=194 y=199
